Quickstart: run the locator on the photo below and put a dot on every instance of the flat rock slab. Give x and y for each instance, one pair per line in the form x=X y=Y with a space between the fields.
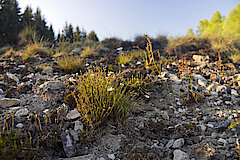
x=8 y=102
x=52 y=85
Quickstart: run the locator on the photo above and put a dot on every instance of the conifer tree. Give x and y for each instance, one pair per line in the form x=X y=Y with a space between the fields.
x=92 y=36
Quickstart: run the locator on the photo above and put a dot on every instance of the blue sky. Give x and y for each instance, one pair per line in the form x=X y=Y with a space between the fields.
x=127 y=18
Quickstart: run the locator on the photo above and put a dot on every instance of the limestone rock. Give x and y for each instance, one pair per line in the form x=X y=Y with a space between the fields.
x=180 y=155
x=178 y=143
x=8 y=102
x=73 y=114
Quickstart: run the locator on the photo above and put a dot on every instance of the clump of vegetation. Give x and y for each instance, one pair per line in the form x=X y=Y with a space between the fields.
x=112 y=42
x=139 y=84
x=34 y=49
x=70 y=63
x=42 y=133
x=126 y=58
x=100 y=98
x=28 y=35
x=87 y=52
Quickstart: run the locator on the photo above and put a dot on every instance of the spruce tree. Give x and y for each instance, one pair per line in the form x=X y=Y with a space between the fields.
x=92 y=36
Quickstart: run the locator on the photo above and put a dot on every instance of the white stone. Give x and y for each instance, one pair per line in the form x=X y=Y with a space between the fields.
x=234 y=92
x=22 y=112
x=164 y=115
x=48 y=71
x=200 y=59
x=19 y=125
x=170 y=143
x=73 y=114
x=78 y=125
x=221 y=88
x=12 y=76
x=173 y=77
x=53 y=85
x=8 y=102
x=111 y=156
x=180 y=155
x=21 y=66
x=178 y=143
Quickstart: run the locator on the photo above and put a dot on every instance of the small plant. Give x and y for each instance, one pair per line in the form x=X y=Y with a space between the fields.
x=138 y=84
x=99 y=98
x=87 y=52
x=32 y=50
x=185 y=70
x=70 y=63
x=207 y=150
x=124 y=58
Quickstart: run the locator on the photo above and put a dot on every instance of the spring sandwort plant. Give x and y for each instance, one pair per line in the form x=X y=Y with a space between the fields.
x=100 y=98
x=70 y=63
x=185 y=70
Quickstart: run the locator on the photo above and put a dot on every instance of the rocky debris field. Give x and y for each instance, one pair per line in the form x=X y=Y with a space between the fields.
x=187 y=115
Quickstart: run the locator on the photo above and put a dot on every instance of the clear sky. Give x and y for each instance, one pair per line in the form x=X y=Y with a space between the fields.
x=127 y=18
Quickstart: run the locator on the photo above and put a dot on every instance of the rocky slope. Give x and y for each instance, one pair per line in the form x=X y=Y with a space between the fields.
x=163 y=125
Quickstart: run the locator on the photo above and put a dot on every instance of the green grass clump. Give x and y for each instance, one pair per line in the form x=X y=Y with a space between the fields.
x=138 y=84
x=87 y=52
x=235 y=57
x=70 y=63
x=126 y=58
x=100 y=98
x=32 y=50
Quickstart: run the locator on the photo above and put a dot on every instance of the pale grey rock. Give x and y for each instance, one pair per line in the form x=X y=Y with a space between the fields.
x=78 y=125
x=74 y=134
x=170 y=143
x=8 y=102
x=85 y=157
x=12 y=76
x=173 y=77
x=200 y=59
x=234 y=92
x=111 y=156
x=73 y=114
x=68 y=146
x=178 y=143
x=54 y=85
x=22 y=112
x=19 y=125
x=180 y=155
x=21 y=66
x=221 y=88
x=164 y=115
x=48 y=71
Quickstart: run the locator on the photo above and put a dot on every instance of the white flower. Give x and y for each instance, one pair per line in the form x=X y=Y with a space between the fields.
x=121 y=84
x=110 y=89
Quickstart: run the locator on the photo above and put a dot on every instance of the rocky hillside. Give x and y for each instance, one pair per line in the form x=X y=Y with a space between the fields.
x=188 y=112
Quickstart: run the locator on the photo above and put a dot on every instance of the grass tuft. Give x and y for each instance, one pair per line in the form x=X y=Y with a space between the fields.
x=100 y=98
x=70 y=63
